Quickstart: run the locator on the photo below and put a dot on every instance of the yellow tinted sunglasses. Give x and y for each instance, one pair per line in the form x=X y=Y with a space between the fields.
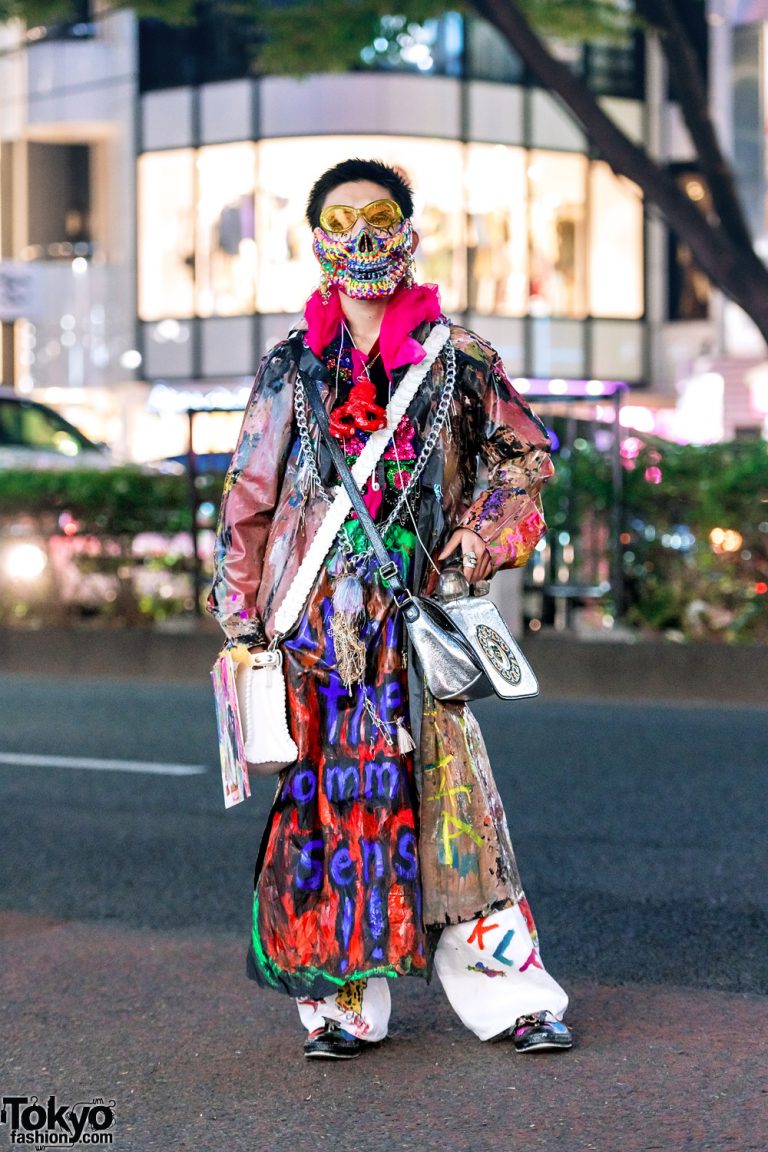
x=343 y=217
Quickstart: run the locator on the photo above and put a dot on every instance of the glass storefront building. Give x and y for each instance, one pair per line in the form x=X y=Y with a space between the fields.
x=532 y=241
x=175 y=251
x=505 y=231
x=159 y=186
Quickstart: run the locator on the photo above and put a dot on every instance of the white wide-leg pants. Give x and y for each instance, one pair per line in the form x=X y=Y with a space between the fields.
x=490 y=970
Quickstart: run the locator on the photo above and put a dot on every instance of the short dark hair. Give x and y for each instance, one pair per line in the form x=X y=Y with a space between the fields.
x=354 y=169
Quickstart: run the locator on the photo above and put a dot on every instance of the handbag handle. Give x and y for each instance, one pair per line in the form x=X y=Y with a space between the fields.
x=387 y=566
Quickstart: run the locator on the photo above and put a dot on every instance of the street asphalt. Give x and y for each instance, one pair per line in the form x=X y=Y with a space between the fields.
x=124 y=916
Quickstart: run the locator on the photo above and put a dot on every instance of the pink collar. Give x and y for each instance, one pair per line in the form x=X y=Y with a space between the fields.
x=406 y=310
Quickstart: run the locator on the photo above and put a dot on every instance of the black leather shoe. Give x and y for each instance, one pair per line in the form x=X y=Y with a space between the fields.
x=540 y=1031
x=332 y=1043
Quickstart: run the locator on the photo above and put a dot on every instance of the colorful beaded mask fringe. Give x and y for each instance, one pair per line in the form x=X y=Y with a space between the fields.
x=367 y=266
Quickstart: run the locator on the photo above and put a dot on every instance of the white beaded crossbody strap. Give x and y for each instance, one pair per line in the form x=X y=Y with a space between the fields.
x=338 y=511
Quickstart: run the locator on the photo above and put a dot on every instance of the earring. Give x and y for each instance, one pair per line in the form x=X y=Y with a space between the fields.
x=325 y=288
x=410 y=271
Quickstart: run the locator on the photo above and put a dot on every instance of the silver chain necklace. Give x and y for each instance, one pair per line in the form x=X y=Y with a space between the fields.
x=315 y=485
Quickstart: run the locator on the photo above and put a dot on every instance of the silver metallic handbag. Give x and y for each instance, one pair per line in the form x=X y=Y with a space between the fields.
x=463 y=645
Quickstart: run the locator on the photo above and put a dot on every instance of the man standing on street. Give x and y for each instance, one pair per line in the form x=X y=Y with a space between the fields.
x=386 y=851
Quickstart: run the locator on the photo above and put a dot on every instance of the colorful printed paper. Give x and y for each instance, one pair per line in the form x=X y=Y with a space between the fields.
x=234 y=770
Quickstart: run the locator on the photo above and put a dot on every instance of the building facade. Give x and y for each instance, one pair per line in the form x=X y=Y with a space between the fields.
x=157 y=189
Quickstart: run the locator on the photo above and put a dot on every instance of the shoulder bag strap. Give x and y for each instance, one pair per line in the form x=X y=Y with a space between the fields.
x=338 y=511
x=384 y=560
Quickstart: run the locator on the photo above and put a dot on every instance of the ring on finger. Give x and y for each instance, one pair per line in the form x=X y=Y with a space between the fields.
x=469 y=559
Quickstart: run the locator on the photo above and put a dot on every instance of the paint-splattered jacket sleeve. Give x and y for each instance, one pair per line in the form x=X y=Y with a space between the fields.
x=514 y=463
x=250 y=494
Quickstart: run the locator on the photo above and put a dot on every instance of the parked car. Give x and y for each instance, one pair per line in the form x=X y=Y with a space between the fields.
x=32 y=435
x=50 y=567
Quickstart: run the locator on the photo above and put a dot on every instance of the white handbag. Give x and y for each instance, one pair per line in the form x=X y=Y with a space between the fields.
x=269 y=746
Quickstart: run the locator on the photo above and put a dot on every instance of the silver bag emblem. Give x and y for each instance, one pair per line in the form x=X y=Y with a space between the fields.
x=463 y=645
x=498 y=652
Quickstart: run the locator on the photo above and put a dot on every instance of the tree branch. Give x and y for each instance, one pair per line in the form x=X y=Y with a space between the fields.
x=690 y=90
x=737 y=271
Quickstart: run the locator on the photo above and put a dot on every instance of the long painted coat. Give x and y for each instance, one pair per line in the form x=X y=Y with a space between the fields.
x=485 y=474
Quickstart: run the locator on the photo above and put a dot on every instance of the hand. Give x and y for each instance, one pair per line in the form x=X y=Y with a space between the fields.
x=468 y=542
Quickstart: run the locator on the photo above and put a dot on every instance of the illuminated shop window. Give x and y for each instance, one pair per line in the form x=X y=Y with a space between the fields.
x=216 y=432
x=615 y=245
x=689 y=289
x=166 y=195
x=287 y=270
x=503 y=231
x=225 y=256
x=497 y=238
x=557 y=234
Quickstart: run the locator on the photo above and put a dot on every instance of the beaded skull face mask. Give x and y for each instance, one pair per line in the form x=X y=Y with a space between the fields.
x=366 y=266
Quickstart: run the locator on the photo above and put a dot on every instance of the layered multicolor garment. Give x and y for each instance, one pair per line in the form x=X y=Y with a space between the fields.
x=368 y=848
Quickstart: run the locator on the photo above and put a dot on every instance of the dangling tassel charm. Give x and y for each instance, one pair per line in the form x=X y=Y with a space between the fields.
x=309 y=490
x=405 y=743
x=307 y=486
x=336 y=564
x=348 y=597
x=348 y=614
x=325 y=288
x=410 y=271
x=378 y=727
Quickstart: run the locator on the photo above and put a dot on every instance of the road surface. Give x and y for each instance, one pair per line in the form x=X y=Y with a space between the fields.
x=124 y=913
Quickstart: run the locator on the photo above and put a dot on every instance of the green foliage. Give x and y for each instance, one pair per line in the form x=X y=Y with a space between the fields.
x=122 y=501
x=708 y=486
x=673 y=497
x=299 y=37
x=93 y=529
x=677 y=578
x=170 y=11
x=562 y=18
x=582 y=482
x=38 y=12
x=585 y=20
x=304 y=36
x=674 y=581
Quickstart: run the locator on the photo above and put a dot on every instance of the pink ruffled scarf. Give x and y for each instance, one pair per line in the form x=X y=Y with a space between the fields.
x=406 y=310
